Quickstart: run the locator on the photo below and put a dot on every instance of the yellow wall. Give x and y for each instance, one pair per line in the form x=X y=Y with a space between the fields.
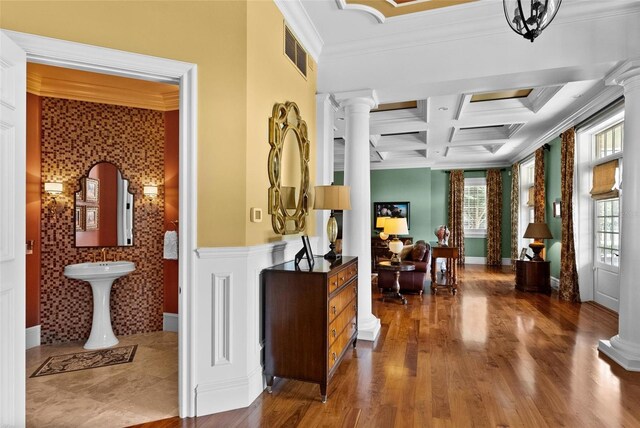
x=235 y=90
x=272 y=78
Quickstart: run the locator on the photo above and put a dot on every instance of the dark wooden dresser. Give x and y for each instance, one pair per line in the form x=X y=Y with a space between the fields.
x=310 y=319
x=533 y=276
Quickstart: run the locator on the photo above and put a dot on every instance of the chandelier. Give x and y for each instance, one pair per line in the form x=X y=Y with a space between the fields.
x=529 y=18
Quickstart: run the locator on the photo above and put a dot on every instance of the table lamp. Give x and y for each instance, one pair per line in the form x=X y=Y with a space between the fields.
x=393 y=227
x=537 y=231
x=334 y=198
x=380 y=225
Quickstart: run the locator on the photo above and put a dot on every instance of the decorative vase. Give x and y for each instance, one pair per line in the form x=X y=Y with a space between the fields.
x=442 y=233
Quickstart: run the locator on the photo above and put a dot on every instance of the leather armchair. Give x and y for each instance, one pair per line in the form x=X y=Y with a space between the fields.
x=411 y=281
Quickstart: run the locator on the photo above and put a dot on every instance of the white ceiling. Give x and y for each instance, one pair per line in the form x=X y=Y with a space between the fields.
x=441 y=57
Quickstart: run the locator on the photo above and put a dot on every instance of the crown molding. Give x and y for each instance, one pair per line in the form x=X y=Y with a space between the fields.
x=378 y=16
x=96 y=93
x=302 y=26
x=605 y=96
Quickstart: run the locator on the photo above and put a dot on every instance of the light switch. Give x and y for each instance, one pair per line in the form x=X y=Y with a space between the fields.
x=255 y=215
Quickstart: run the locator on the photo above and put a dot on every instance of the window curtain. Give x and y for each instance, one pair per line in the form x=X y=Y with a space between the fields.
x=456 y=216
x=515 y=212
x=538 y=183
x=568 y=271
x=494 y=217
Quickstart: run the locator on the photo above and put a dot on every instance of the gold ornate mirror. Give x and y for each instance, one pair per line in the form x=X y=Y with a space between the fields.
x=288 y=169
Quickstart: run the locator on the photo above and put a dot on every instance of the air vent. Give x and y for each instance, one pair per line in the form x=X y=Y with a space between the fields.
x=294 y=50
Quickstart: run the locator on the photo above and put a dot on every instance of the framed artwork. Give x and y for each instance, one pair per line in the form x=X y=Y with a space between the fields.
x=91 y=189
x=557 y=208
x=80 y=193
x=92 y=218
x=390 y=209
x=80 y=218
x=306 y=251
x=523 y=254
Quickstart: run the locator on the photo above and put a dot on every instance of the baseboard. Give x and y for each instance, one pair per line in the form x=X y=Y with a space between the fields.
x=483 y=261
x=555 y=283
x=32 y=337
x=215 y=397
x=169 y=322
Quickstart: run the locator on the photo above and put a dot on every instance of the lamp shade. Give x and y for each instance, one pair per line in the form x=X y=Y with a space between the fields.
x=151 y=191
x=53 y=188
x=332 y=198
x=380 y=222
x=396 y=226
x=538 y=231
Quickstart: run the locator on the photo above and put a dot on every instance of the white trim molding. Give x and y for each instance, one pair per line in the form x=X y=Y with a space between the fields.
x=228 y=312
x=61 y=53
x=555 y=283
x=33 y=336
x=483 y=261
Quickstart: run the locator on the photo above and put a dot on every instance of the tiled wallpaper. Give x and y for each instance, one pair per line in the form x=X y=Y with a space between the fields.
x=75 y=136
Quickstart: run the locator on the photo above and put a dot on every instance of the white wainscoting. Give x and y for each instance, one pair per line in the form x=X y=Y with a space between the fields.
x=228 y=319
x=33 y=337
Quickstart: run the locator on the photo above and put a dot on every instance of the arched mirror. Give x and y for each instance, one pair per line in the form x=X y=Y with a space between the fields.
x=288 y=169
x=104 y=208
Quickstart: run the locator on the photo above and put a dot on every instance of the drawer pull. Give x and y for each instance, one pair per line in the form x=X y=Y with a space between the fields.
x=334 y=309
x=334 y=356
x=341 y=278
x=333 y=332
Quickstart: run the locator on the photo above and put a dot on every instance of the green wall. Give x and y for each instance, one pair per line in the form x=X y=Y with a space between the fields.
x=428 y=192
x=552 y=192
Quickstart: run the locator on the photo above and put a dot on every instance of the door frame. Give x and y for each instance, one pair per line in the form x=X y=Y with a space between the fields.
x=80 y=56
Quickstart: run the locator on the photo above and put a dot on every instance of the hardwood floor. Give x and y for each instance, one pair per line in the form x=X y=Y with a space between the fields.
x=488 y=357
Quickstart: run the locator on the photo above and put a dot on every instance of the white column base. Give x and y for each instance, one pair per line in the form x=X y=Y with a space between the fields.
x=620 y=352
x=368 y=328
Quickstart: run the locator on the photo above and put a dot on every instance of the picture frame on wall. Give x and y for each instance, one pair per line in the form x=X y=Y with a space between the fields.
x=523 y=254
x=80 y=193
x=91 y=189
x=80 y=218
x=557 y=208
x=391 y=209
x=92 y=218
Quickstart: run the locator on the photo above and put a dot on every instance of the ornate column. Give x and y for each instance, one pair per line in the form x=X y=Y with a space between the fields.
x=326 y=108
x=624 y=348
x=357 y=222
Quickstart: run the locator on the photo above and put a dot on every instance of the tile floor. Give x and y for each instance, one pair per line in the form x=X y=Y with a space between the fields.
x=114 y=396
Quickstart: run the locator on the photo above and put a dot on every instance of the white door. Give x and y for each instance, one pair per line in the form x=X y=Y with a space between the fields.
x=606 y=261
x=12 y=232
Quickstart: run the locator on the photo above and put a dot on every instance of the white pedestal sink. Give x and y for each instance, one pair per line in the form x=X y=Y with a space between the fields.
x=101 y=276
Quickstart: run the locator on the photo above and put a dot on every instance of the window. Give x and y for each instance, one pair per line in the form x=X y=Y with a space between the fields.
x=609 y=141
x=608 y=231
x=527 y=170
x=475 y=207
x=606 y=173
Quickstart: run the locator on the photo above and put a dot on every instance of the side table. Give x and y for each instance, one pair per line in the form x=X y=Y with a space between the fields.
x=397 y=268
x=451 y=276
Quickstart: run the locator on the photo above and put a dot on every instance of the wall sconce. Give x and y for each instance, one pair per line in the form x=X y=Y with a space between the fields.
x=150 y=191
x=53 y=189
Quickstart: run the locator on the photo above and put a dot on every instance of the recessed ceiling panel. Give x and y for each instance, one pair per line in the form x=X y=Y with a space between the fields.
x=501 y=95
x=396 y=106
x=391 y=8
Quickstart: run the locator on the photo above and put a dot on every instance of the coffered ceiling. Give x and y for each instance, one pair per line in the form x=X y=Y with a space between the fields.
x=482 y=95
